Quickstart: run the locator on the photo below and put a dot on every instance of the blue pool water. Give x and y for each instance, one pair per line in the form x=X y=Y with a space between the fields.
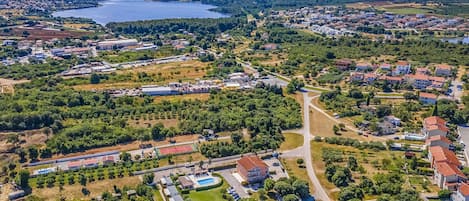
x=206 y=181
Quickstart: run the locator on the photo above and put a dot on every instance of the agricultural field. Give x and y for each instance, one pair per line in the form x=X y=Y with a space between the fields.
x=187 y=71
x=370 y=163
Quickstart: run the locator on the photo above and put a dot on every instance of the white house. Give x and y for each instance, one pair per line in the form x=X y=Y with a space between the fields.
x=462 y=194
x=447 y=176
x=434 y=126
x=427 y=98
x=438 y=140
x=402 y=68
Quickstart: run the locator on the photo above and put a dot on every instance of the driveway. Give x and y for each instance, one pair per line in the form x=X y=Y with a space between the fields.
x=227 y=175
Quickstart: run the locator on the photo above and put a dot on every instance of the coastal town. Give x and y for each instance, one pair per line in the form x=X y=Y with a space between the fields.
x=269 y=101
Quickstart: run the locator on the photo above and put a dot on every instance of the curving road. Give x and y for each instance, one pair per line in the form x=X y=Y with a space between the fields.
x=305 y=151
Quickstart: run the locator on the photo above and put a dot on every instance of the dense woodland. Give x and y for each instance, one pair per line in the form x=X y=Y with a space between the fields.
x=84 y=120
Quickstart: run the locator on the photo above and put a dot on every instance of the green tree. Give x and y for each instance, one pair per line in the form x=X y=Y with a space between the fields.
x=23 y=178
x=124 y=156
x=350 y=193
x=335 y=129
x=269 y=184
x=283 y=188
x=33 y=153
x=148 y=178
x=95 y=79
x=291 y=197
x=444 y=194
x=352 y=163
x=156 y=131
x=301 y=188
x=294 y=85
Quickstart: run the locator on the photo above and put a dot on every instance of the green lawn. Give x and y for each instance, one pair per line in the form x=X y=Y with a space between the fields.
x=410 y=11
x=209 y=195
x=292 y=141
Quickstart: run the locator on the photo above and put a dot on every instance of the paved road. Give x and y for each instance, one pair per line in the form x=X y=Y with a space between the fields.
x=305 y=151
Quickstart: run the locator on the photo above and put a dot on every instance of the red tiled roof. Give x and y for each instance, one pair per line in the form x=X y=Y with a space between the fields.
x=90 y=161
x=391 y=78
x=74 y=163
x=440 y=154
x=437 y=79
x=443 y=66
x=250 y=162
x=438 y=138
x=447 y=169
x=434 y=122
x=402 y=63
x=464 y=189
x=427 y=95
x=108 y=158
x=419 y=77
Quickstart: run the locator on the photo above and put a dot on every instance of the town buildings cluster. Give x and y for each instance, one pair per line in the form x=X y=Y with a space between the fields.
x=445 y=163
x=234 y=81
x=422 y=78
x=339 y=21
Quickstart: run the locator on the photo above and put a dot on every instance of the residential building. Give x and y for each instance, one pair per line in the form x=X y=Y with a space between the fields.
x=370 y=77
x=386 y=128
x=422 y=71
x=443 y=70
x=185 y=182
x=462 y=193
x=402 y=68
x=434 y=126
x=392 y=79
x=356 y=77
x=419 y=81
x=92 y=162
x=439 y=154
x=386 y=67
x=116 y=44
x=74 y=165
x=438 y=140
x=344 y=64
x=447 y=175
x=252 y=169
x=393 y=120
x=427 y=98
x=363 y=66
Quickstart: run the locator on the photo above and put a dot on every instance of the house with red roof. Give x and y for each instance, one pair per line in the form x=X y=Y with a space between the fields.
x=443 y=70
x=356 y=77
x=252 y=169
x=439 y=154
x=386 y=67
x=344 y=64
x=92 y=162
x=402 y=68
x=392 y=79
x=427 y=98
x=370 y=77
x=438 y=140
x=74 y=165
x=447 y=176
x=422 y=71
x=363 y=66
x=462 y=194
x=434 y=126
x=419 y=81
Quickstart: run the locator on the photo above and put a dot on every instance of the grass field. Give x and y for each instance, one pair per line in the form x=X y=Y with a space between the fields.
x=373 y=163
x=292 y=141
x=293 y=169
x=72 y=192
x=157 y=74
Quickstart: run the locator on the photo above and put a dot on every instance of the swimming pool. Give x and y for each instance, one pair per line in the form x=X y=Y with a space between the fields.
x=206 y=181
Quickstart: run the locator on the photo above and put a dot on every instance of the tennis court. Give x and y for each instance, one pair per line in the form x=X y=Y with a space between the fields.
x=175 y=150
